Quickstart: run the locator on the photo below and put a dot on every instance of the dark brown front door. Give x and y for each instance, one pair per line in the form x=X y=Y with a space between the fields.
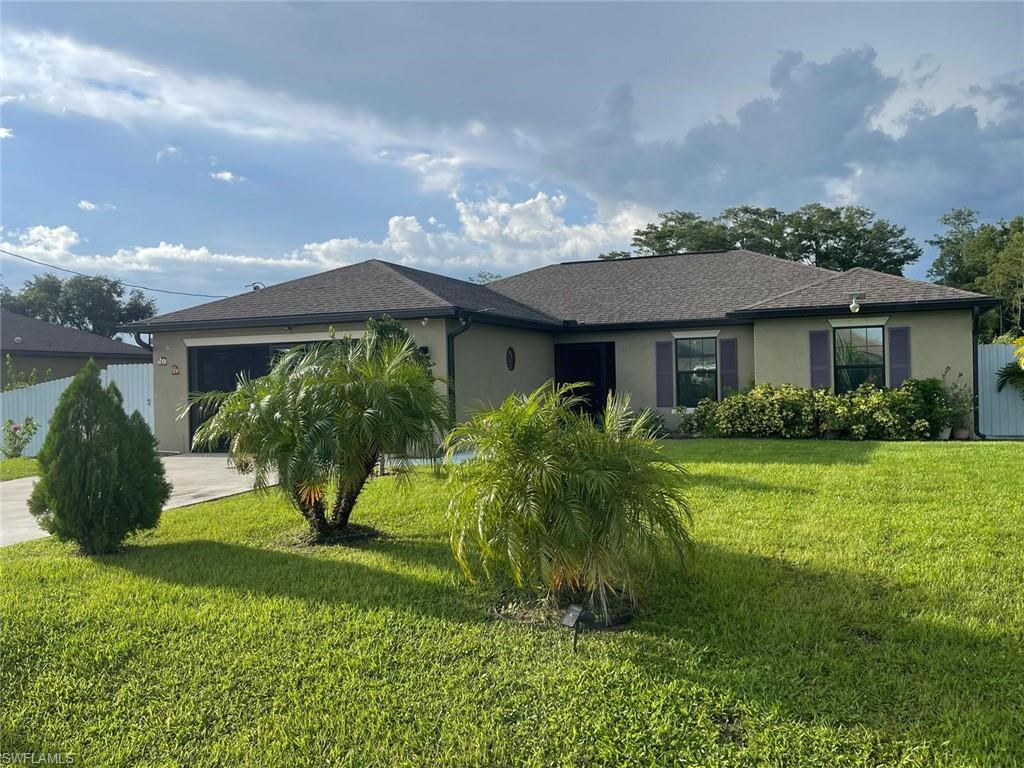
x=589 y=362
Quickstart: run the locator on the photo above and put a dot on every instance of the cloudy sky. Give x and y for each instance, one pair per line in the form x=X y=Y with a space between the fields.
x=201 y=147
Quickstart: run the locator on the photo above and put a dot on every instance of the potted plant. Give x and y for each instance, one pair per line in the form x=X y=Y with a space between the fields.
x=961 y=406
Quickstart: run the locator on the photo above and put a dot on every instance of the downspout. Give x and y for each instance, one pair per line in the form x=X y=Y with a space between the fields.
x=464 y=322
x=975 y=313
x=138 y=340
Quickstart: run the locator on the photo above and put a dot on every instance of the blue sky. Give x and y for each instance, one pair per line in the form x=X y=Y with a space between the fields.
x=201 y=147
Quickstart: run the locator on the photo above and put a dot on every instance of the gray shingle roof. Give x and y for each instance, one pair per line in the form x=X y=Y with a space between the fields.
x=368 y=288
x=875 y=288
x=685 y=286
x=28 y=336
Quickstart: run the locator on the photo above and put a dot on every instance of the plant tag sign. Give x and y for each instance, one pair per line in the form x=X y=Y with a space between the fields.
x=572 y=616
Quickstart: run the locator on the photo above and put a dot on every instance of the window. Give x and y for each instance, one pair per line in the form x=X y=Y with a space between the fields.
x=859 y=357
x=696 y=370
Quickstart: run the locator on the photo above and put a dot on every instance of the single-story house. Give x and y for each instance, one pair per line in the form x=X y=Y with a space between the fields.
x=669 y=330
x=53 y=351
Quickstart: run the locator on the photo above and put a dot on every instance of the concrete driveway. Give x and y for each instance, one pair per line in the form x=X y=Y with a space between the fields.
x=194 y=477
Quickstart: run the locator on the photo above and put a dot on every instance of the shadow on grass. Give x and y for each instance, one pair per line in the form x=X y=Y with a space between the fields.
x=839 y=649
x=738 y=483
x=751 y=451
x=313 y=578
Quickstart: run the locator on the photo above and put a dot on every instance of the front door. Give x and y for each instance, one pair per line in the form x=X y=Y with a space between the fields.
x=589 y=362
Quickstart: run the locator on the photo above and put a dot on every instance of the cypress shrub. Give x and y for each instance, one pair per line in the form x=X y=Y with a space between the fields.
x=100 y=477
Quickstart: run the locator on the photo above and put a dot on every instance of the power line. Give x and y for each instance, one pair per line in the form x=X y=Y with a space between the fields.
x=127 y=285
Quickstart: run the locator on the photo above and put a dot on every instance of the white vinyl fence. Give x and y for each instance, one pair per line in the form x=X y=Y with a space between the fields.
x=40 y=400
x=1000 y=414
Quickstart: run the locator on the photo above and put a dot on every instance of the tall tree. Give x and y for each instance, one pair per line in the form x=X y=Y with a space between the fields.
x=986 y=257
x=836 y=238
x=95 y=304
x=850 y=236
x=948 y=268
x=678 y=231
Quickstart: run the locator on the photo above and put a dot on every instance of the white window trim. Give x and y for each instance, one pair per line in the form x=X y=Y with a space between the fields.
x=267 y=338
x=857 y=322
x=703 y=333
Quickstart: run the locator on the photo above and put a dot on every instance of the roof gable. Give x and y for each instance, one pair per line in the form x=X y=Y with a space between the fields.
x=871 y=288
x=359 y=290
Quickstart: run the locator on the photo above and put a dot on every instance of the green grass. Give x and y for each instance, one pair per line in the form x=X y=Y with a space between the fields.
x=12 y=469
x=849 y=604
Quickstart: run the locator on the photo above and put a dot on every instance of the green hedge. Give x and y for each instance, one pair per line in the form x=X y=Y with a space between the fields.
x=914 y=411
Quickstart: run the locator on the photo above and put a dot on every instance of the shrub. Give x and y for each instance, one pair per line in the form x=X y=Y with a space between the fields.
x=961 y=401
x=929 y=398
x=324 y=416
x=785 y=411
x=18 y=436
x=567 y=507
x=100 y=477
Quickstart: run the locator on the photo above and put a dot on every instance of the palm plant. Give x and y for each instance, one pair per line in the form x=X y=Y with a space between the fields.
x=563 y=504
x=324 y=416
x=1012 y=374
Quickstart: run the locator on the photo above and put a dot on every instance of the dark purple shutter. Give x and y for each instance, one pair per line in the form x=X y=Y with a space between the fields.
x=728 y=367
x=663 y=373
x=821 y=364
x=899 y=355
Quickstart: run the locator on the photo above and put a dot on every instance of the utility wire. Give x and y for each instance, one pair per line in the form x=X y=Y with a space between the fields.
x=127 y=285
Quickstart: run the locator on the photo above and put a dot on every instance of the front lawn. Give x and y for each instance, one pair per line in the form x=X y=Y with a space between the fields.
x=12 y=469
x=850 y=604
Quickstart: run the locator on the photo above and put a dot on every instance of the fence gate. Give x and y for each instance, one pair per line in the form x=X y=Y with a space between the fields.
x=1000 y=414
x=40 y=400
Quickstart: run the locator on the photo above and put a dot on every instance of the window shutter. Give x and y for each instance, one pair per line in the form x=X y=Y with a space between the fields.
x=728 y=367
x=899 y=355
x=664 y=373
x=821 y=364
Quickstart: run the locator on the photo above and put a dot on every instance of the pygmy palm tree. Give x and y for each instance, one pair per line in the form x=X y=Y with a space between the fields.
x=565 y=505
x=324 y=416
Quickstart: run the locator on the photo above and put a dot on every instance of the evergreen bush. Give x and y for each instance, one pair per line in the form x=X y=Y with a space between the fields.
x=100 y=477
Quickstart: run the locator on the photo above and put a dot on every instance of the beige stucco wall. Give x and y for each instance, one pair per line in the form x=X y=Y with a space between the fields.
x=48 y=368
x=170 y=390
x=635 y=358
x=937 y=339
x=481 y=376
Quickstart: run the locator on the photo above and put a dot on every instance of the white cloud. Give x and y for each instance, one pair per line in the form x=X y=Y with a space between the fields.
x=227 y=177
x=88 y=205
x=493 y=234
x=167 y=150
x=6 y=133
x=63 y=75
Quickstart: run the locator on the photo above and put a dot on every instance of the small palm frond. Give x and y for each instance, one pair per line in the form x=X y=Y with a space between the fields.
x=1011 y=375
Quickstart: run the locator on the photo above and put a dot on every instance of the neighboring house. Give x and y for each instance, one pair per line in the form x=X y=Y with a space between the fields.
x=669 y=330
x=53 y=351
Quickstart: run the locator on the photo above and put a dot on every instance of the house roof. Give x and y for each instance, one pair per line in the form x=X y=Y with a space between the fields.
x=873 y=289
x=349 y=293
x=706 y=287
x=656 y=289
x=20 y=335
